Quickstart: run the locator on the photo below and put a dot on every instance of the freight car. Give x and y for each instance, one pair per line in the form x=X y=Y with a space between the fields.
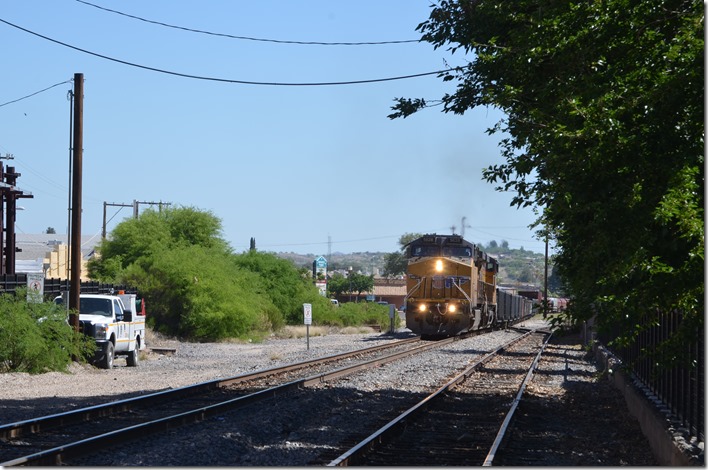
x=452 y=289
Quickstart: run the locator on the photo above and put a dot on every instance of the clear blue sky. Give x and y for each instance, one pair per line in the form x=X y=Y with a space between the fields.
x=293 y=166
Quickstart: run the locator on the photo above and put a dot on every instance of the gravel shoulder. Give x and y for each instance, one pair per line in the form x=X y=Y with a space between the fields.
x=24 y=396
x=216 y=442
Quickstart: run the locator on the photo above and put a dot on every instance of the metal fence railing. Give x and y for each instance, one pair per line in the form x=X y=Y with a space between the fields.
x=54 y=287
x=681 y=386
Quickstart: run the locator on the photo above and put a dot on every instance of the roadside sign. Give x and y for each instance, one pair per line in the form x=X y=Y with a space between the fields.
x=307 y=308
x=35 y=287
x=391 y=314
x=308 y=313
x=319 y=274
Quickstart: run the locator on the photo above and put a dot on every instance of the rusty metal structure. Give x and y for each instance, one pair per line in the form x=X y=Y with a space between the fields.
x=9 y=194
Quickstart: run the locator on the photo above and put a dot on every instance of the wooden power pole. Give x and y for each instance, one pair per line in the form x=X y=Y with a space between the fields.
x=78 y=144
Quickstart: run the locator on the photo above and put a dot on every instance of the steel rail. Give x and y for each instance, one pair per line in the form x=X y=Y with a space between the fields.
x=488 y=461
x=34 y=425
x=354 y=456
x=58 y=455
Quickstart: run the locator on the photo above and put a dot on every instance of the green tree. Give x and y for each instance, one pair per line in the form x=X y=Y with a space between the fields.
x=286 y=286
x=199 y=293
x=396 y=263
x=602 y=134
x=362 y=283
x=337 y=284
x=50 y=230
x=151 y=233
x=187 y=274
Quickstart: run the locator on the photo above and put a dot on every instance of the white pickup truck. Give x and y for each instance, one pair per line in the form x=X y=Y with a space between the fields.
x=116 y=325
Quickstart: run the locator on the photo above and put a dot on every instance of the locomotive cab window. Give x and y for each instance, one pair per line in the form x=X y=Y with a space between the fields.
x=424 y=250
x=458 y=251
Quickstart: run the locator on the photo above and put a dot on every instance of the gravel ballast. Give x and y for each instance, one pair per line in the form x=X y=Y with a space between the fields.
x=247 y=439
x=24 y=396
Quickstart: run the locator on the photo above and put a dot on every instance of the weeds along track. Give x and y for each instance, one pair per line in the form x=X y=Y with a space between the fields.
x=51 y=440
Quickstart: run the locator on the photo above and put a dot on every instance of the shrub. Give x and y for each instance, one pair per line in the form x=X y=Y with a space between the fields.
x=35 y=337
x=286 y=286
x=198 y=293
x=355 y=314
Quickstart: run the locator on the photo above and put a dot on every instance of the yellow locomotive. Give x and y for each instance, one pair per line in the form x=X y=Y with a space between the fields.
x=451 y=286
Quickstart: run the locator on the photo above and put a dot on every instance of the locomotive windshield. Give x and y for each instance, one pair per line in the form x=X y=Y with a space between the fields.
x=458 y=251
x=441 y=245
x=425 y=250
x=435 y=250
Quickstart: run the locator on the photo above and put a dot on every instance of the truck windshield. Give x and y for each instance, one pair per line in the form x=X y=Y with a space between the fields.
x=95 y=307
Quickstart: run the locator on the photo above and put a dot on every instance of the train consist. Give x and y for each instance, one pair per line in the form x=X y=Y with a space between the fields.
x=452 y=289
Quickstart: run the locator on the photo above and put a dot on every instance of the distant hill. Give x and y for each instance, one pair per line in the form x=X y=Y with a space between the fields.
x=364 y=262
x=516 y=266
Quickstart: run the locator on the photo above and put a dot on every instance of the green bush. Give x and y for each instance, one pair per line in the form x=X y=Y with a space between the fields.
x=198 y=293
x=195 y=287
x=355 y=314
x=284 y=284
x=35 y=337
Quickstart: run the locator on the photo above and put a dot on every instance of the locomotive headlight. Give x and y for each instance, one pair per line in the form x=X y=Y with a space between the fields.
x=438 y=265
x=422 y=308
x=452 y=308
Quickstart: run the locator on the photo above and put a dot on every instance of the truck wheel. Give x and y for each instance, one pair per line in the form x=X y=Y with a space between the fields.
x=132 y=358
x=107 y=362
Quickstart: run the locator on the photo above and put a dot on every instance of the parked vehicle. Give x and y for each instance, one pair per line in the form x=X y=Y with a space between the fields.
x=116 y=324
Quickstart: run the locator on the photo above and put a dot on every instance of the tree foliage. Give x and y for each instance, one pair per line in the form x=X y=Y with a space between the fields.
x=361 y=283
x=194 y=286
x=287 y=287
x=396 y=263
x=337 y=284
x=603 y=135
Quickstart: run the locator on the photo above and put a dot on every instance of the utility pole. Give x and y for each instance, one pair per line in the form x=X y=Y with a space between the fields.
x=464 y=226
x=78 y=145
x=136 y=210
x=103 y=227
x=545 y=281
x=159 y=204
x=2 y=229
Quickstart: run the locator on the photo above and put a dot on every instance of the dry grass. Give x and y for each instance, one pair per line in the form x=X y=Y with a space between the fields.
x=155 y=339
x=300 y=331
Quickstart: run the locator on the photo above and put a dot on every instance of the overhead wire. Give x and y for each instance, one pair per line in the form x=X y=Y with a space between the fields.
x=36 y=93
x=248 y=38
x=232 y=80
x=226 y=80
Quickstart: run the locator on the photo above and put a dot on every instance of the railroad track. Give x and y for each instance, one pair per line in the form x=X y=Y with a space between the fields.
x=56 y=439
x=464 y=421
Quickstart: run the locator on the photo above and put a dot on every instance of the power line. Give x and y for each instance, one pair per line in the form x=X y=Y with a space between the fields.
x=225 y=80
x=36 y=93
x=247 y=38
